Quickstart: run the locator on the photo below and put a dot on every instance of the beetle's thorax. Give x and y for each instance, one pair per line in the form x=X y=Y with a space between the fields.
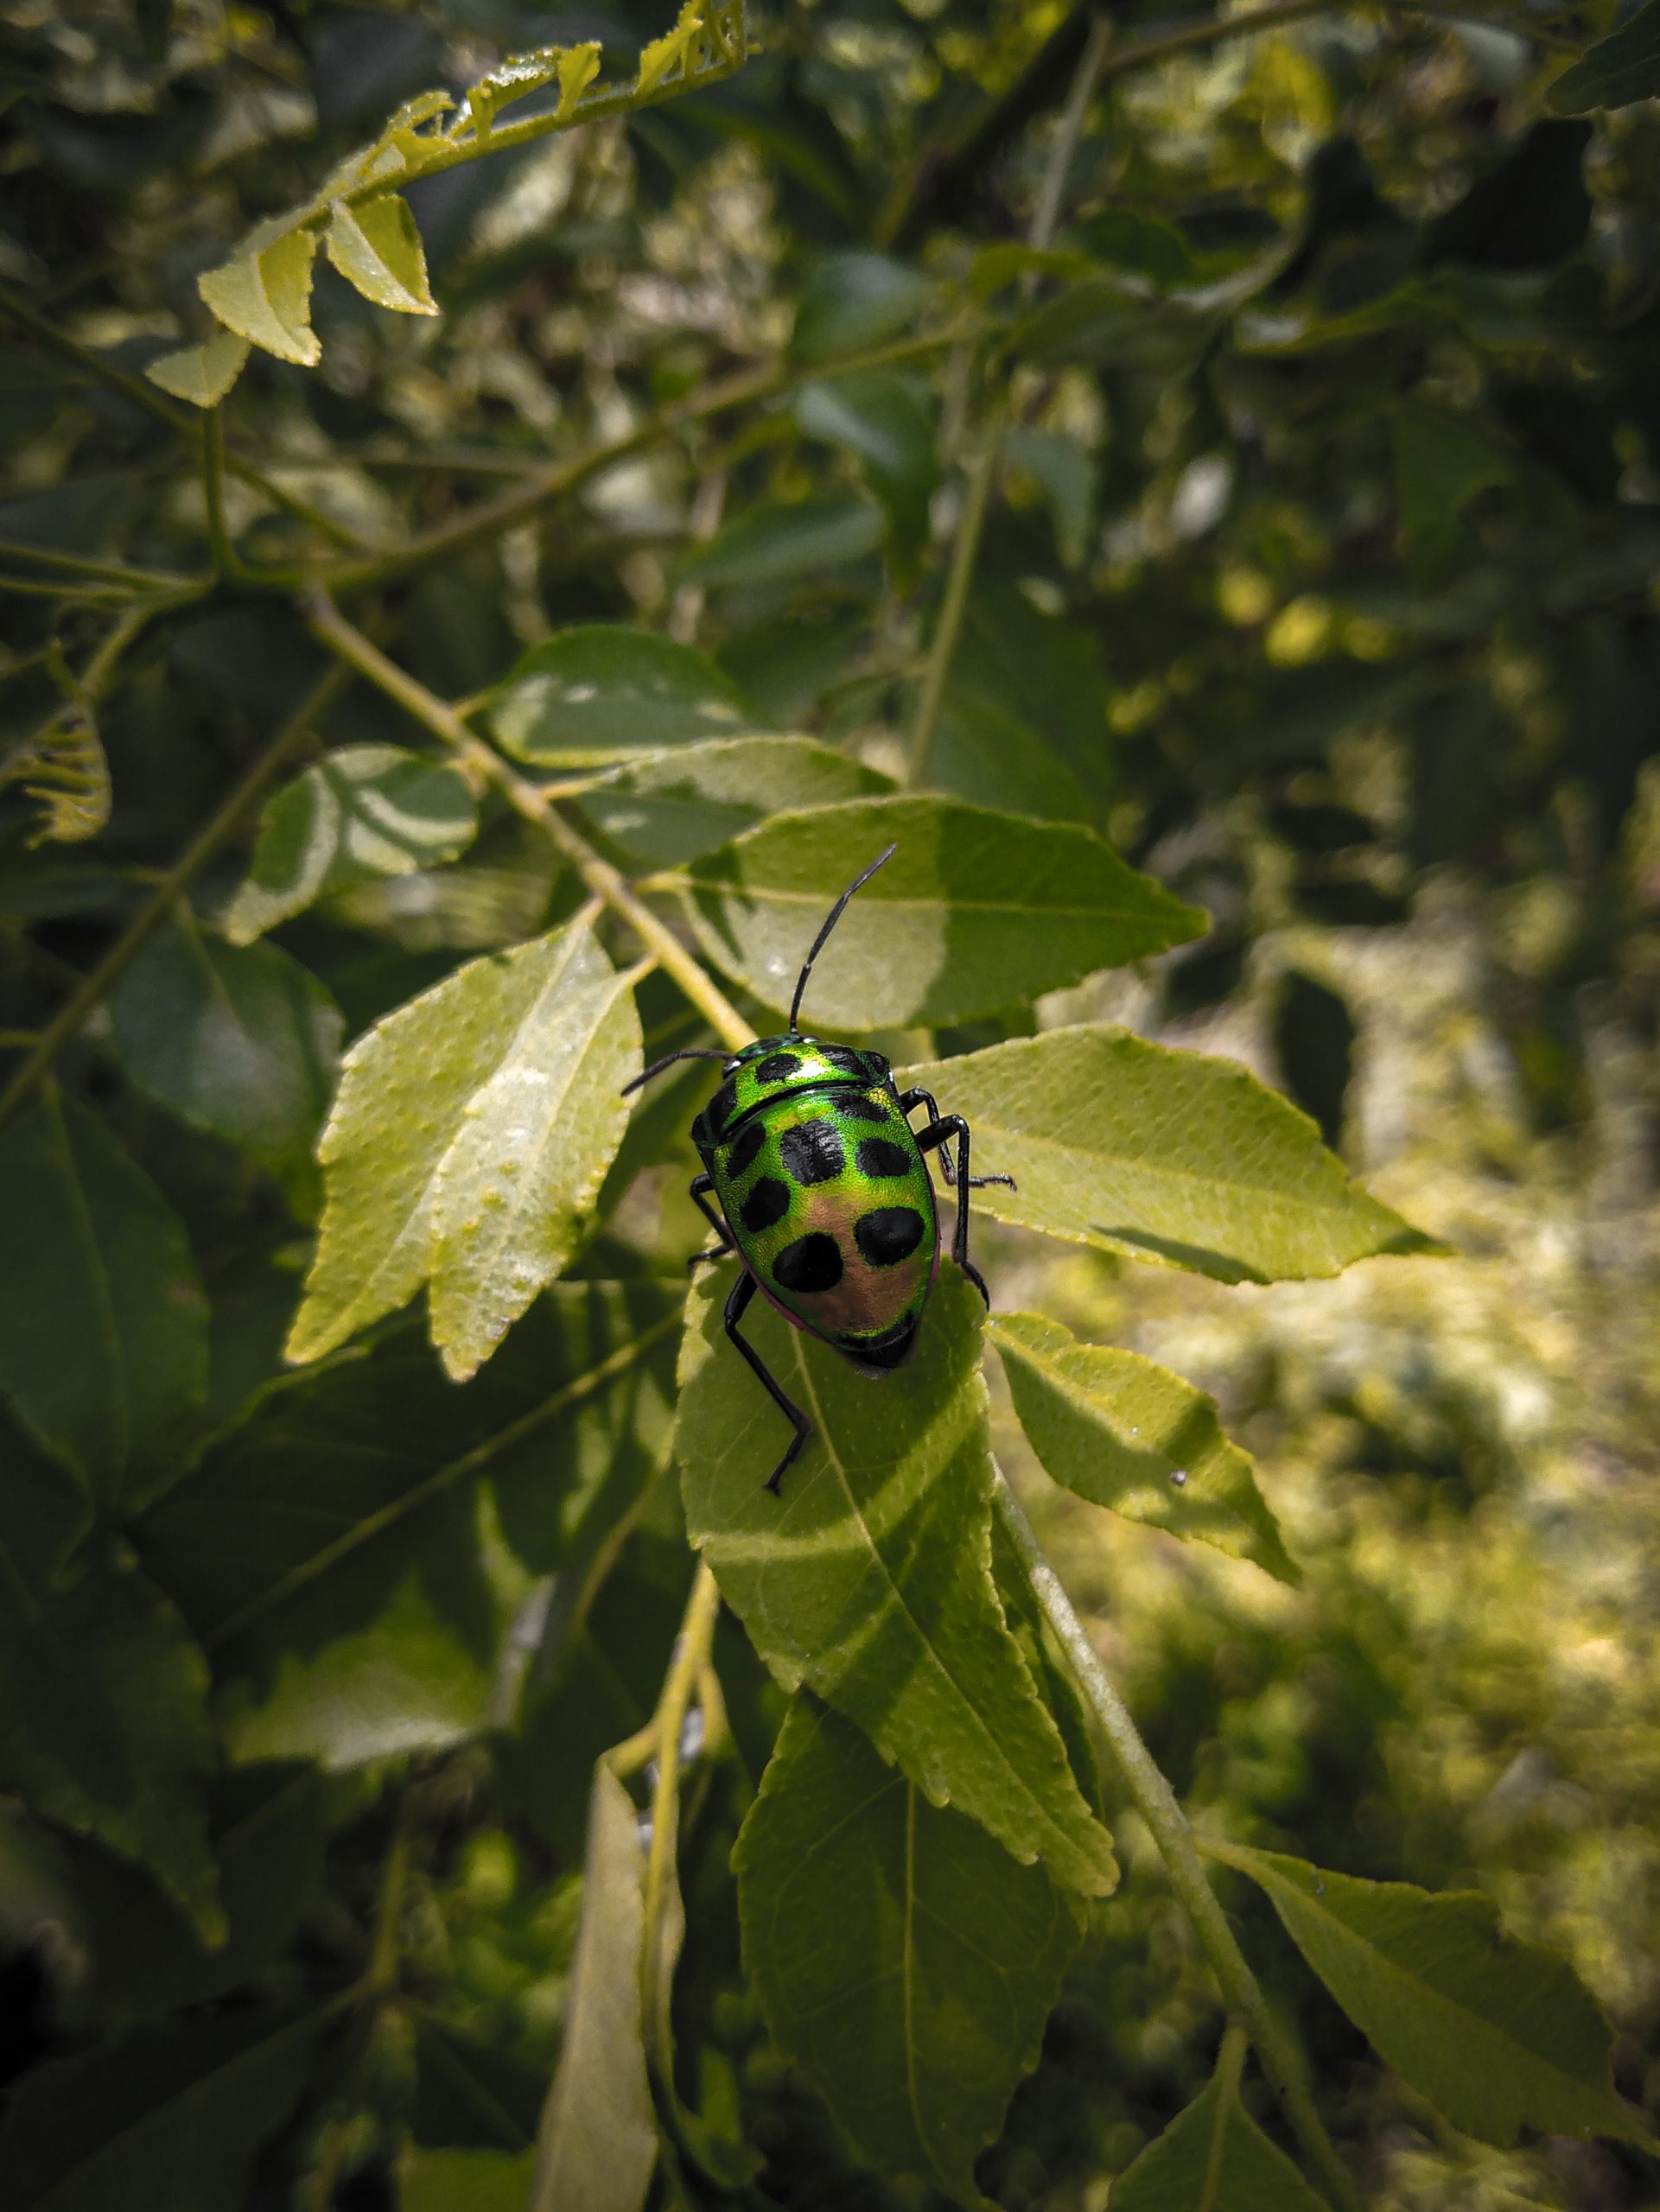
x=780 y=1067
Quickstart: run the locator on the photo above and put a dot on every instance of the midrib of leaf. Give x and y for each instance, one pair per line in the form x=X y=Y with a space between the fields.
x=671 y=880
x=1216 y=2154
x=119 y=1401
x=908 y=1967
x=897 y=1598
x=458 y=1469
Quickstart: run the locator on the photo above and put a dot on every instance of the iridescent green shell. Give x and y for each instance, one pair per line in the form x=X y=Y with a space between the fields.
x=826 y=1193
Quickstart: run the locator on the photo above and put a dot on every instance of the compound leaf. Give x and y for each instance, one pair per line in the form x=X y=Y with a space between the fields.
x=263 y=293
x=1498 y=2034
x=602 y=692
x=975 y=911
x=471 y=1133
x=1125 y=1432
x=869 y=1579
x=377 y=247
x=103 y=1326
x=1161 y=1155
x=918 y=2020
x=1213 y=2157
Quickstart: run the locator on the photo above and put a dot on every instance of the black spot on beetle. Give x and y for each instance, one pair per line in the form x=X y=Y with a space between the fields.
x=777 y=1067
x=765 y=1206
x=888 y=1234
x=851 y=1063
x=812 y=1263
x=719 y=1109
x=745 y=1145
x=811 y=1153
x=881 y=1156
x=862 y=1109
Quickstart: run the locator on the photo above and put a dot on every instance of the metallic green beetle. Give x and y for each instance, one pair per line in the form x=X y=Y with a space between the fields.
x=824 y=1191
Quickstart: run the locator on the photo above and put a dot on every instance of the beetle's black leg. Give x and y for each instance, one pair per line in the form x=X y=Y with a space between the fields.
x=742 y=1291
x=940 y=1133
x=700 y=1186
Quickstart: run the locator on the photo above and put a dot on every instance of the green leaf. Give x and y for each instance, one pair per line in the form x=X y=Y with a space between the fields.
x=465 y=2180
x=680 y=55
x=915 y=2023
x=1146 y=244
x=1066 y=474
x=857 y=299
x=375 y=246
x=597 y=2142
x=1125 y=1432
x=202 y=374
x=780 y=540
x=673 y=807
x=887 y=418
x=168 y=2120
x=603 y=692
x=1615 y=72
x=1442 y=461
x=1109 y=322
x=1213 y=2157
x=870 y=1579
x=1498 y=2034
x=1161 y=1155
x=263 y=293
x=472 y=1132
x=327 y=1549
x=575 y=67
x=975 y=911
x=66 y=771
x=103 y=1326
x=364 y=811
x=239 y=1041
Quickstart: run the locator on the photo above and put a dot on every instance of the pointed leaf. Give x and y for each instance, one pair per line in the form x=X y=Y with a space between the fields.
x=975 y=911
x=870 y=1579
x=1498 y=2034
x=602 y=691
x=103 y=1326
x=472 y=1132
x=66 y=771
x=202 y=374
x=367 y=811
x=1615 y=72
x=377 y=247
x=1162 y=1154
x=1213 y=2157
x=855 y=299
x=265 y=293
x=239 y=1041
x=673 y=806
x=677 y=52
x=598 y=2142
x=782 y=538
x=887 y=419
x=1127 y=1433
x=915 y=2023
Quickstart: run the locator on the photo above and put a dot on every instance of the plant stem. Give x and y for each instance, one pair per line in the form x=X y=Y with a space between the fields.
x=226 y=562
x=78 y=564
x=1052 y=193
x=1156 y=1803
x=690 y=1661
x=96 y=987
x=605 y=882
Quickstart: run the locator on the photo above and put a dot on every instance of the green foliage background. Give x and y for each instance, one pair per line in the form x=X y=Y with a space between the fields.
x=1317 y=448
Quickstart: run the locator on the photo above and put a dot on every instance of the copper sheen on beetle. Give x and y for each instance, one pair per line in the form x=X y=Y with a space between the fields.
x=823 y=1192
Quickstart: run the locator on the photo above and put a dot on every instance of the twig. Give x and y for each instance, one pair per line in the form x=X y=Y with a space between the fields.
x=96 y=986
x=690 y=1663
x=227 y=561
x=79 y=565
x=605 y=882
x=1156 y=1803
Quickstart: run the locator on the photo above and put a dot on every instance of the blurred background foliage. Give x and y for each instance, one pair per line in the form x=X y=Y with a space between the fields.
x=1321 y=573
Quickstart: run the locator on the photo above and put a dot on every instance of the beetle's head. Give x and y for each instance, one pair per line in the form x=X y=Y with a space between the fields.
x=773 y=1067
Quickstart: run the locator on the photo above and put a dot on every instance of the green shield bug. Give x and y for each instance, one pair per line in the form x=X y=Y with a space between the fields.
x=823 y=1192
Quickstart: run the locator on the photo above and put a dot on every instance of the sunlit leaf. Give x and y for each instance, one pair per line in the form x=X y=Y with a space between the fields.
x=363 y=811
x=1161 y=1155
x=472 y=1132
x=915 y=2023
x=672 y=807
x=1213 y=2157
x=103 y=1328
x=975 y=911
x=64 y=770
x=1498 y=2034
x=778 y=539
x=869 y=1579
x=1125 y=1432
x=238 y=1040
x=202 y=374
x=265 y=293
x=573 y=68
x=603 y=692
x=597 y=2142
x=377 y=247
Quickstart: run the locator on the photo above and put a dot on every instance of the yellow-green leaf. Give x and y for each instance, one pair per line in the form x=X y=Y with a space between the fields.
x=265 y=292
x=64 y=770
x=202 y=374
x=680 y=46
x=1125 y=1432
x=377 y=247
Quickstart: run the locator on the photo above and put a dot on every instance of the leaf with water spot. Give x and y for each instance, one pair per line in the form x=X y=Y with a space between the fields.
x=377 y=247
x=263 y=292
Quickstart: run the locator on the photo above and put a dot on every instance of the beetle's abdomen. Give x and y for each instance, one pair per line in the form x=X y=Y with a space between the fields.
x=833 y=1209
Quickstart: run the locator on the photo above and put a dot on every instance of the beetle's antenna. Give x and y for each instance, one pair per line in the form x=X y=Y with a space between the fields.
x=691 y=1052
x=833 y=916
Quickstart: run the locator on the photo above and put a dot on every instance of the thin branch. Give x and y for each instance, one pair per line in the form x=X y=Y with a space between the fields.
x=691 y=1659
x=1156 y=1803
x=1052 y=191
x=79 y=565
x=605 y=882
x=227 y=560
x=96 y=987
